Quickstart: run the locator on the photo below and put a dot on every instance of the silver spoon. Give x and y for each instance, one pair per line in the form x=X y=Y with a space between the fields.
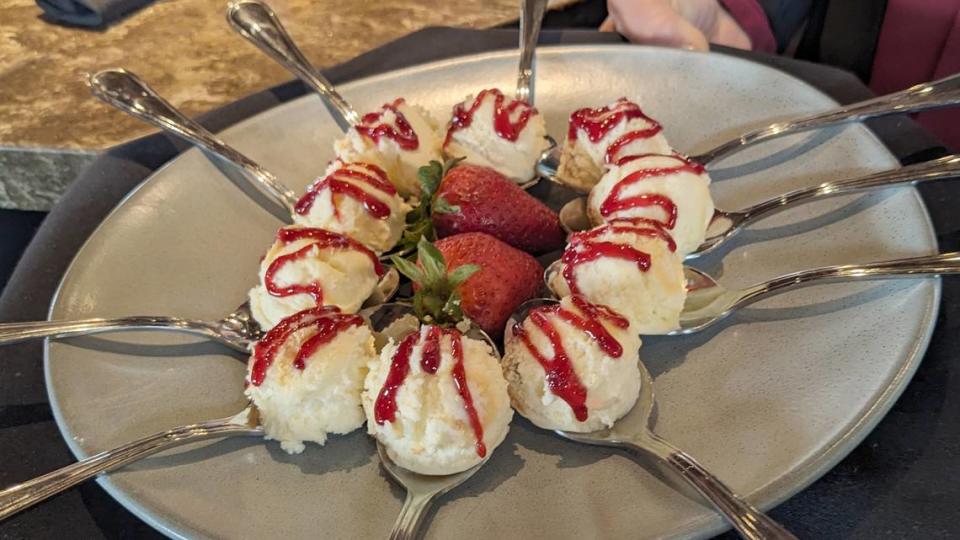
x=531 y=18
x=128 y=93
x=422 y=490
x=238 y=330
x=634 y=433
x=256 y=21
x=24 y=495
x=925 y=96
x=709 y=302
x=932 y=95
x=245 y=423
x=725 y=224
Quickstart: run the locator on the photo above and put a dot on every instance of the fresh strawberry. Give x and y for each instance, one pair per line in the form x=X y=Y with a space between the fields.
x=473 y=275
x=479 y=199
x=507 y=278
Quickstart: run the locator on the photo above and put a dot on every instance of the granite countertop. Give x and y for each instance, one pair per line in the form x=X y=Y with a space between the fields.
x=50 y=127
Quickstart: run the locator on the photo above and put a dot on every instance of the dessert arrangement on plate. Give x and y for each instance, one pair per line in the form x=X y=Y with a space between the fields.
x=442 y=202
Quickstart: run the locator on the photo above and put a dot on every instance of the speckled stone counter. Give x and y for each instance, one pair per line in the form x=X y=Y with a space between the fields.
x=186 y=50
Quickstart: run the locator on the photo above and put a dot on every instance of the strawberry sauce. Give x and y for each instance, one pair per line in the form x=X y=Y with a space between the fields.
x=600 y=121
x=561 y=376
x=373 y=127
x=503 y=122
x=320 y=239
x=617 y=202
x=338 y=183
x=584 y=247
x=385 y=408
x=328 y=322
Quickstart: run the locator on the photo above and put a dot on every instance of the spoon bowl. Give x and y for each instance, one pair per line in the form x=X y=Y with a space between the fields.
x=708 y=302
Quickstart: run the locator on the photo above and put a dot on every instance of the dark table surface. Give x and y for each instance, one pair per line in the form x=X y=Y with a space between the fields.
x=901 y=482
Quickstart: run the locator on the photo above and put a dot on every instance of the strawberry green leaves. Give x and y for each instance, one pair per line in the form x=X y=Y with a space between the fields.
x=419 y=224
x=436 y=300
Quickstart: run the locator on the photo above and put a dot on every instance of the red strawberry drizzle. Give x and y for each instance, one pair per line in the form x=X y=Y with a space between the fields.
x=615 y=202
x=327 y=320
x=598 y=122
x=505 y=127
x=401 y=132
x=583 y=247
x=561 y=376
x=336 y=183
x=322 y=239
x=385 y=408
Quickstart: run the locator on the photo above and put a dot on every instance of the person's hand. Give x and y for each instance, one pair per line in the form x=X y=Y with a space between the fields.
x=691 y=24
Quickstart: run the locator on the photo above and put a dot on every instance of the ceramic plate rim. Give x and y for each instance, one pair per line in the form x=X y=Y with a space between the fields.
x=768 y=496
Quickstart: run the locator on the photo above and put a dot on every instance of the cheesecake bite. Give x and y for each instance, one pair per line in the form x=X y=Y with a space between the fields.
x=630 y=266
x=357 y=200
x=598 y=138
x=666 y=188
x=437 y=401
x=305 y=377
x=494 y=131
x=399 y=138
x=572 y=366
x=307 y=267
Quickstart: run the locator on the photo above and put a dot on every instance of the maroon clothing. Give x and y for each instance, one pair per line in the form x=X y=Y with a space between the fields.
x=919 y=41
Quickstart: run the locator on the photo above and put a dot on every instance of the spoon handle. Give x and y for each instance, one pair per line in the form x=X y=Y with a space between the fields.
x=937 y=169
x=749 y=521
x=127 y=92
x=941 y=93
x=531 y=18
x=411 y=516
x=21 y=496
x=17 y=332
x=255 y=21
x=943 y=263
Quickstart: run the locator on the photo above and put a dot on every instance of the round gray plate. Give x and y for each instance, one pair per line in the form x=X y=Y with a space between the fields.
x=768 y=401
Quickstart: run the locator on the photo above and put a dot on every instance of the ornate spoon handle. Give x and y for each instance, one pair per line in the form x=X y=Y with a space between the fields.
x=943 y=263
x=938 y=169
x=127 y=92
x=23 y=331
x=531 y=18
x=256 y=22
x=21 y=496
x=749 y=521
x=942 y=93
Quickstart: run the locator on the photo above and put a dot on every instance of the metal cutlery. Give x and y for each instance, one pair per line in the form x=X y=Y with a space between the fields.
x=931 y=95
x=21 y=496
x=238 y=330
x=128 y=93
x=258 y=24
x=725 y=224
x=422 y=490
x=709 y=302
x=634 y=433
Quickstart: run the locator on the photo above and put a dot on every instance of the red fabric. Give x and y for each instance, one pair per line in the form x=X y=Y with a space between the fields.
x=753 y=20
x=919 y=42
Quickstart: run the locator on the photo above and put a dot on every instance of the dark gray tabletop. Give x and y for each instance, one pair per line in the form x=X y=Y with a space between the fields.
x=902 y=482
